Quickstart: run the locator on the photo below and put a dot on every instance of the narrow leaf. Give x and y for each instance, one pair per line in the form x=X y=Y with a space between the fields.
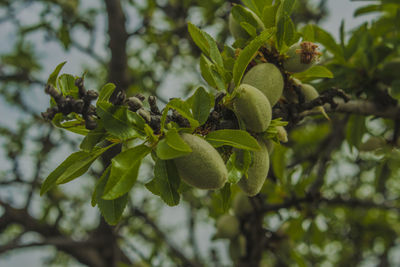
x=165 y=152
x=106 y=92
x=176 y=142
x=72 y=167
x=166 y=182
x=110 y=209
x=235 y=138
x=247 y=55
x=124 y=171
x=53 y=76
x=116 y=120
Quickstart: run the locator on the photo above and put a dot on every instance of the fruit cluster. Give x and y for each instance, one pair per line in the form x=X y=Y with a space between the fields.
x=260 y=89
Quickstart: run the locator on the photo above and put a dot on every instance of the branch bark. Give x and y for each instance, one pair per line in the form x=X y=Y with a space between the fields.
x=360 y=107
x=118 y=38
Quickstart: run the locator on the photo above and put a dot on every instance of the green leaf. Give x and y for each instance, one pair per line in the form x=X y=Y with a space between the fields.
x=317 y=71
x=247 y=55
x=118 y=121
x=269 y=15
x=201 y=102
x=355 y=130
x=286 y=33
x=206 y=43
x=183 y=108
x=93 y=138
x=257 y=5
x=225 y=196
x=124 y=171
x=106 y=91
x=66 y=84
x=72 y=167
x=76 y=125
x=250 y=29
x=176 y=142
x=199 y=38
x=165 y=152
x=166 y=182
x=285 y=8
x=279 y=163
x=103 y=178
x=205 y=68
x=242 y=15
x=235 y=138
x=53 y=76
x=237 y=169
x=110 y=209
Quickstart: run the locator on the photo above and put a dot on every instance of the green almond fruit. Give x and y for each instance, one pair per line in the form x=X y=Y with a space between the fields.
x=257 y=172
x=241 y=205
x=253 y=108
x=203 y=167
x=227 y=226
x=267 y=78
x=301 y=57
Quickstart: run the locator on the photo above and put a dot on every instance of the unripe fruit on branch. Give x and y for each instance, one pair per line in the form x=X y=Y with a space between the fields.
x=301 y=56
x=203 y=167
x=227 y=226
x=310 y=93
x=237 y=31
x=267 y=78
x=242 y=205
x=253 y=107
x=257 y=172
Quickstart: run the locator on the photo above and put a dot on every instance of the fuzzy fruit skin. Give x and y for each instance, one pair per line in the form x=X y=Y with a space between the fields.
x=267 y=78
x=242 y=205
x=203 y=167
x=294 y=63
x=237 y=31
x=227 y=226
x=257 y=172
x=253 y=107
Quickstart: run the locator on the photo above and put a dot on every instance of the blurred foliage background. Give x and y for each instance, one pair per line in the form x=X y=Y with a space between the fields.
x=330 y=200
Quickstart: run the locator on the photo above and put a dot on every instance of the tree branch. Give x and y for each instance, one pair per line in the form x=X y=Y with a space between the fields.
x=360 y=107
x=178 y=253
x=117 y=44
